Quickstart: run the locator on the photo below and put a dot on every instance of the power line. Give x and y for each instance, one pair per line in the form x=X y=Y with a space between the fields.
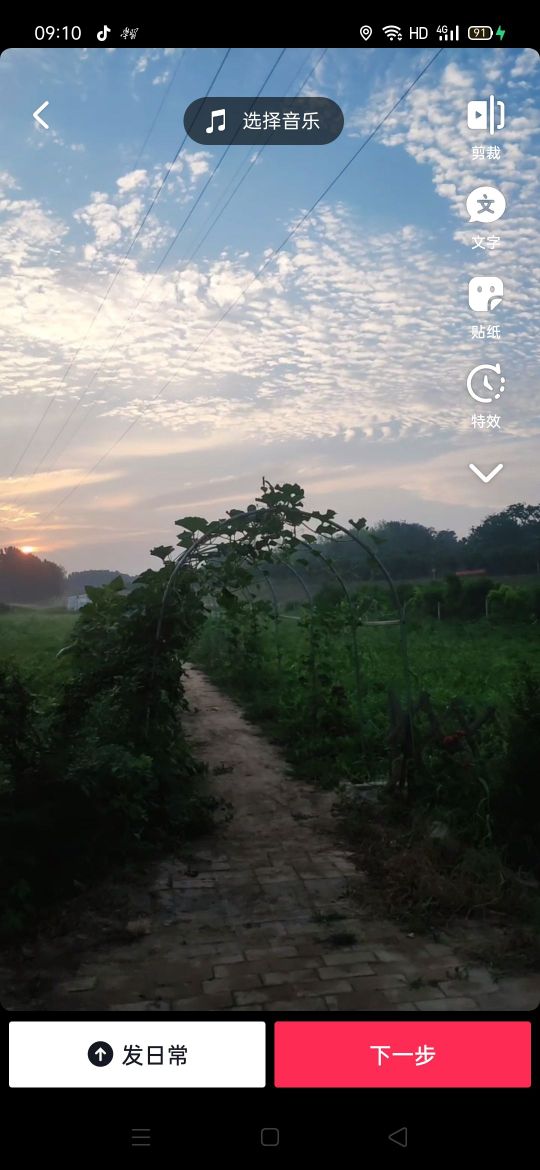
x=201 y=241
x=148 y=282
x=159 y=109
x=118 y=270
x=252 y=163
x=256 y=277
x=193 y=254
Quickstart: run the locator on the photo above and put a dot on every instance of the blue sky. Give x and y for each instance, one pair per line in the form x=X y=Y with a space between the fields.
x=343 y=367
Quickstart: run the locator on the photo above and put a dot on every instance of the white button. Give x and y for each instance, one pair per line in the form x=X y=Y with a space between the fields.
x=176 y=1054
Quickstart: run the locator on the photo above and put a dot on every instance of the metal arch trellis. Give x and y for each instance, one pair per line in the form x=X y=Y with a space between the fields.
x=187 y=553
x=251 y=513
x=353 y=625
x=352 y=533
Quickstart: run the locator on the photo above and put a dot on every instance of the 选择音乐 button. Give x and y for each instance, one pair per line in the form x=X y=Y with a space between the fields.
x=420 y=1054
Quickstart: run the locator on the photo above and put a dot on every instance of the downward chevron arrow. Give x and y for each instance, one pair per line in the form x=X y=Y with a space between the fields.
x=490 y=475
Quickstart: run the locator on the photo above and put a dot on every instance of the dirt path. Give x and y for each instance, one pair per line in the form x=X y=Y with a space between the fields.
x=255 y=918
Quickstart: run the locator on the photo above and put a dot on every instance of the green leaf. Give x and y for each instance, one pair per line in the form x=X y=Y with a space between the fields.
x=193 y=523
x=94 y=592
x=162 y=551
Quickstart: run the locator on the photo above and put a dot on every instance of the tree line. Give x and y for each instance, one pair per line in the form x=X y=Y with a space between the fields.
x=26 y=579
x=505 y=543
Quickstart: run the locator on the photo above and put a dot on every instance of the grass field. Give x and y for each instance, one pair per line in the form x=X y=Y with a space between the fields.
x=474 y=661
x=271 y=667
x=32 y=639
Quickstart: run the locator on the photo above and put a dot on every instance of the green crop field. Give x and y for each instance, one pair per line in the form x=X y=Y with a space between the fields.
x=475 y=662
x=32 y=638
x=429 y=693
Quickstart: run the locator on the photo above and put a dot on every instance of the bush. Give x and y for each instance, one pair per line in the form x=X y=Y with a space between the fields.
x=516 y=804
x=329 y=597
x=19 y=736
x=535 y=601
x=509 y=603
x=108 y=768
x=470 y=600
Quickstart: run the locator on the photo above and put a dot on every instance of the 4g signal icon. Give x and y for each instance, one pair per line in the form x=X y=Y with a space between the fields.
x=448 y=34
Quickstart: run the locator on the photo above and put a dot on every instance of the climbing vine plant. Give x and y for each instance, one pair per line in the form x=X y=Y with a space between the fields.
x=106 y=769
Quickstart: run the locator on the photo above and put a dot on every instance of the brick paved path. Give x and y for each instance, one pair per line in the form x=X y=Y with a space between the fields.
x=247 y=922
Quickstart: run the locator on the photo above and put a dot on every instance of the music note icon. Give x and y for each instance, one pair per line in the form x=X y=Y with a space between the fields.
x=216 y=114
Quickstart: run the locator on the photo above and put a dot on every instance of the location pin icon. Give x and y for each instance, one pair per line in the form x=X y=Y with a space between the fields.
x=365 y=32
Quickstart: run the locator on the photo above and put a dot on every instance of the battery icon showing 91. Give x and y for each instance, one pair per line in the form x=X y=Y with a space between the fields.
x=480 y=32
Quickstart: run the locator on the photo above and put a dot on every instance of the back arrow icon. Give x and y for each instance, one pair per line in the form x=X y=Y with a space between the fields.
x=37 y=117
x=399 y=1137
x=490 y=475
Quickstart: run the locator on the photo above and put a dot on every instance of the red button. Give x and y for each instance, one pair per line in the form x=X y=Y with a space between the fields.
x=420 y=1054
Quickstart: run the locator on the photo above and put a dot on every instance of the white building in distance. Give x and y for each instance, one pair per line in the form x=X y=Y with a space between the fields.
x=76 y=602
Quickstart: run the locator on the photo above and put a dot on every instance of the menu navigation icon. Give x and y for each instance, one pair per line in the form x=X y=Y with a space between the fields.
x=141 y=1138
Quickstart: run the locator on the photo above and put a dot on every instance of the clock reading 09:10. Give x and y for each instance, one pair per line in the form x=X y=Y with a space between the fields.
x=51 y=33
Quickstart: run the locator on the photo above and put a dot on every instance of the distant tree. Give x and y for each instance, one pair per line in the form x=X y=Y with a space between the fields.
x=77 y=582
x=508 y=541
x=447 y=551
x=26 y=579
x=407 y=549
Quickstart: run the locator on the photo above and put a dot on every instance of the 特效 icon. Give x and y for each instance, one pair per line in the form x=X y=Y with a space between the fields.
x=100 y=1054
x=493 y=386
x=485 y=293
x=486 y=115
x=485 y=205
x=39 y=111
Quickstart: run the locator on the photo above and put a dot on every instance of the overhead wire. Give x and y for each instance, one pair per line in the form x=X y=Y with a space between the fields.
x=257 y=276
x=177 y=272
x=125 y=256
x=147 y=284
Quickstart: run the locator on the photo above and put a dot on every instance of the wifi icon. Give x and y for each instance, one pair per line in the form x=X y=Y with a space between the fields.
x=392 y=31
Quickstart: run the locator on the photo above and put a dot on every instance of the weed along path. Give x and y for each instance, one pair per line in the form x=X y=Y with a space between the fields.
x=260 y=915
